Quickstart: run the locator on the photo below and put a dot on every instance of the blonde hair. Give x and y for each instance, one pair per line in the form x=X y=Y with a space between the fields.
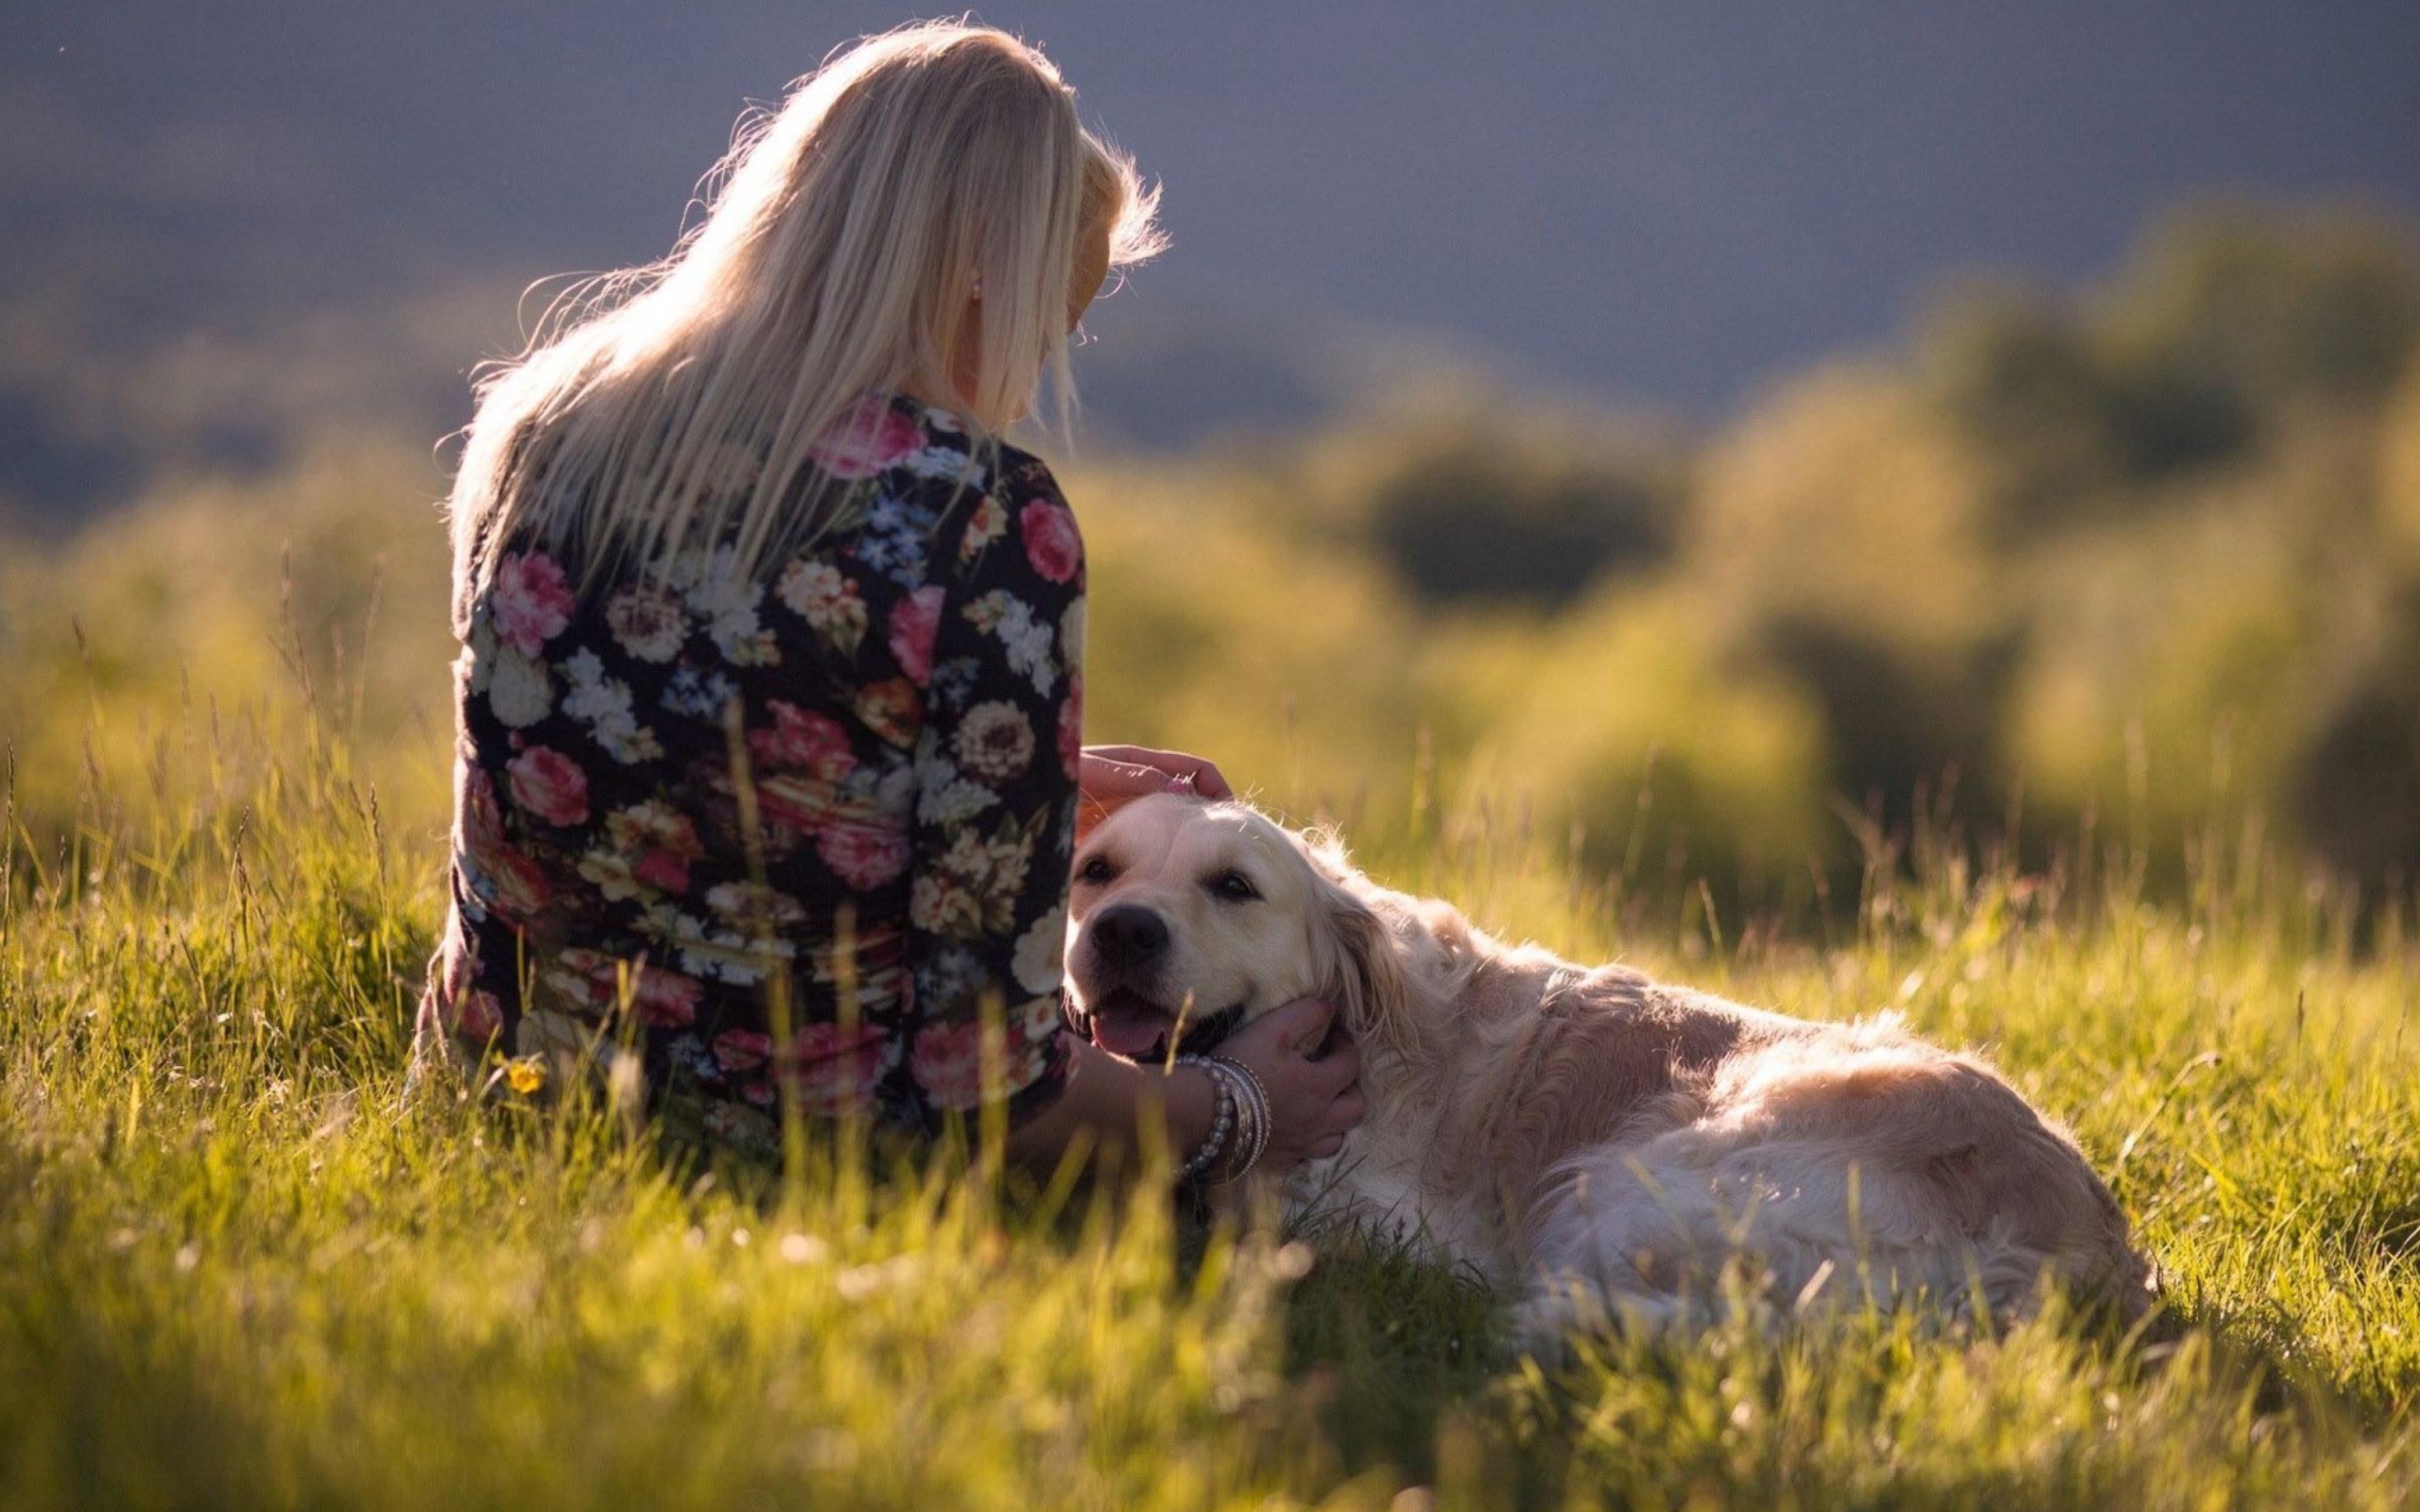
x=678 y=403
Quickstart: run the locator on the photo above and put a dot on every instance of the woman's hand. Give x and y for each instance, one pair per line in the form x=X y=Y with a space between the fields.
x=1312 y=1103
x=1114 y=776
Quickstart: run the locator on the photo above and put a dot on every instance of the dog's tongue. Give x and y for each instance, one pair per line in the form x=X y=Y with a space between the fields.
x=1127 y=1034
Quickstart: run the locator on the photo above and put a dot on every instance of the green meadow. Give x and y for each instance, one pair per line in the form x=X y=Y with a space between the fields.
x=2054 y=680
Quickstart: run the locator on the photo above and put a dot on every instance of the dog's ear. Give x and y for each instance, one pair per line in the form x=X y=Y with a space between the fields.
x=1369 y=981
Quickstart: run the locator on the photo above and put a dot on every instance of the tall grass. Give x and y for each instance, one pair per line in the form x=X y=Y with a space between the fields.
x=242 y=1265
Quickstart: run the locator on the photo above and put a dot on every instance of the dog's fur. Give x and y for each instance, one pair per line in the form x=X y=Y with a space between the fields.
x=1612 y=1142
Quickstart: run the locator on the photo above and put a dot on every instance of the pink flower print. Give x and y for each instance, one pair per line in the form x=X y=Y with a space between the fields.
x=862 y=855
x=649 y=622
x=819 y=593
x=531 y=603
x=663 y=826
x=666 y=999
x=1040 y=1020
x=742 y=1049
x=452 y=1000
x=664 y=871
x=742 y=1128
x=794 y=801
x=603 y=983
x=1034 y=1032
x=891 y=709
x=1051 y=542
x=804 y=739
x=549 y=785
x=650 y=844
x=482 y=821
x=831 y=1070
x=477 y=1017
x=507 y=882
x=867 y=439
x=988 y=523
x=757 y=908
x=1071 y=727
x=947 y=1063
x=994 y=740
x=517 y=887
x=914 y=622
x=942 y=905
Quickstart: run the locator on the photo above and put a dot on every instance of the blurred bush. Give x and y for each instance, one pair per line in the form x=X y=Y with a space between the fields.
x=1837 y=537
x=2227 y=328
x=1626 y=726
x=2148 y=556
x=1486 y=499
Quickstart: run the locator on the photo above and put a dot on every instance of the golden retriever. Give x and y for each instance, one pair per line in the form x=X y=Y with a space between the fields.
x=1610 y=1141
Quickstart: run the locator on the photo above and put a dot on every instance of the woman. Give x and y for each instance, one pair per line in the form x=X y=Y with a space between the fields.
x=770 y=704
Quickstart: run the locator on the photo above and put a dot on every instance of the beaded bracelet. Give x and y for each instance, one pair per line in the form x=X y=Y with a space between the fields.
x=1255 y=1118
x=1222 y=1125
x=1243 y=1119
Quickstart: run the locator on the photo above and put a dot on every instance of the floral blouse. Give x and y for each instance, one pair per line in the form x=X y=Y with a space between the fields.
x=805 y=832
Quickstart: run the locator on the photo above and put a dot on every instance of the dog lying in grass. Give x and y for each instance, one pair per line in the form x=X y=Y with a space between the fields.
x=1617 y=1144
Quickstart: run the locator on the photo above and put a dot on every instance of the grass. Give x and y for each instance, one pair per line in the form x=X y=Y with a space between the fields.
x=243 y=1266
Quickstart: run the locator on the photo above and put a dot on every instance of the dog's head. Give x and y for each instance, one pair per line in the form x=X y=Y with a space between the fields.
x=1190 y=917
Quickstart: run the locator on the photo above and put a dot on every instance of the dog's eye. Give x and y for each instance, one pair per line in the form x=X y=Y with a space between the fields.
x=1098 y=869
x=1235 y=887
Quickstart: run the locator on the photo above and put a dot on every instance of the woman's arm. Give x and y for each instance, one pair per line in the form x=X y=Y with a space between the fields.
x=1115 y=773
x=993 y=638
x=1313 y=1103
x=1114 y=776
x=1116 y=1104
x=993 y=839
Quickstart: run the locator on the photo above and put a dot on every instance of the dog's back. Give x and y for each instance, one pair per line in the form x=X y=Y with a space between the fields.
x=1624 y=1141
x=1590 y=1128
x=1842 y=1162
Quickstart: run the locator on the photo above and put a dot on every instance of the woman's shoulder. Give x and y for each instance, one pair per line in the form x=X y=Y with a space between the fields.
x=900 y=432
x=1021 y=472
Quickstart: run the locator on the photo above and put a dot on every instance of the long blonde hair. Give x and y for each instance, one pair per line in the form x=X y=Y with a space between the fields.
x=678 y=403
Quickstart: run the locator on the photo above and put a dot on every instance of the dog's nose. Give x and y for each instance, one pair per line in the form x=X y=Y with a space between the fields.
x=1128 y=935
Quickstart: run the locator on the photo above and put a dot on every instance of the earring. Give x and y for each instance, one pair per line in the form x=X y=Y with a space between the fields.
x=979 y=286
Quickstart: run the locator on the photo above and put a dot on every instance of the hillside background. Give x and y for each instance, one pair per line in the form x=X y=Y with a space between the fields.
x=1703 y=442
x=1855 y=507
